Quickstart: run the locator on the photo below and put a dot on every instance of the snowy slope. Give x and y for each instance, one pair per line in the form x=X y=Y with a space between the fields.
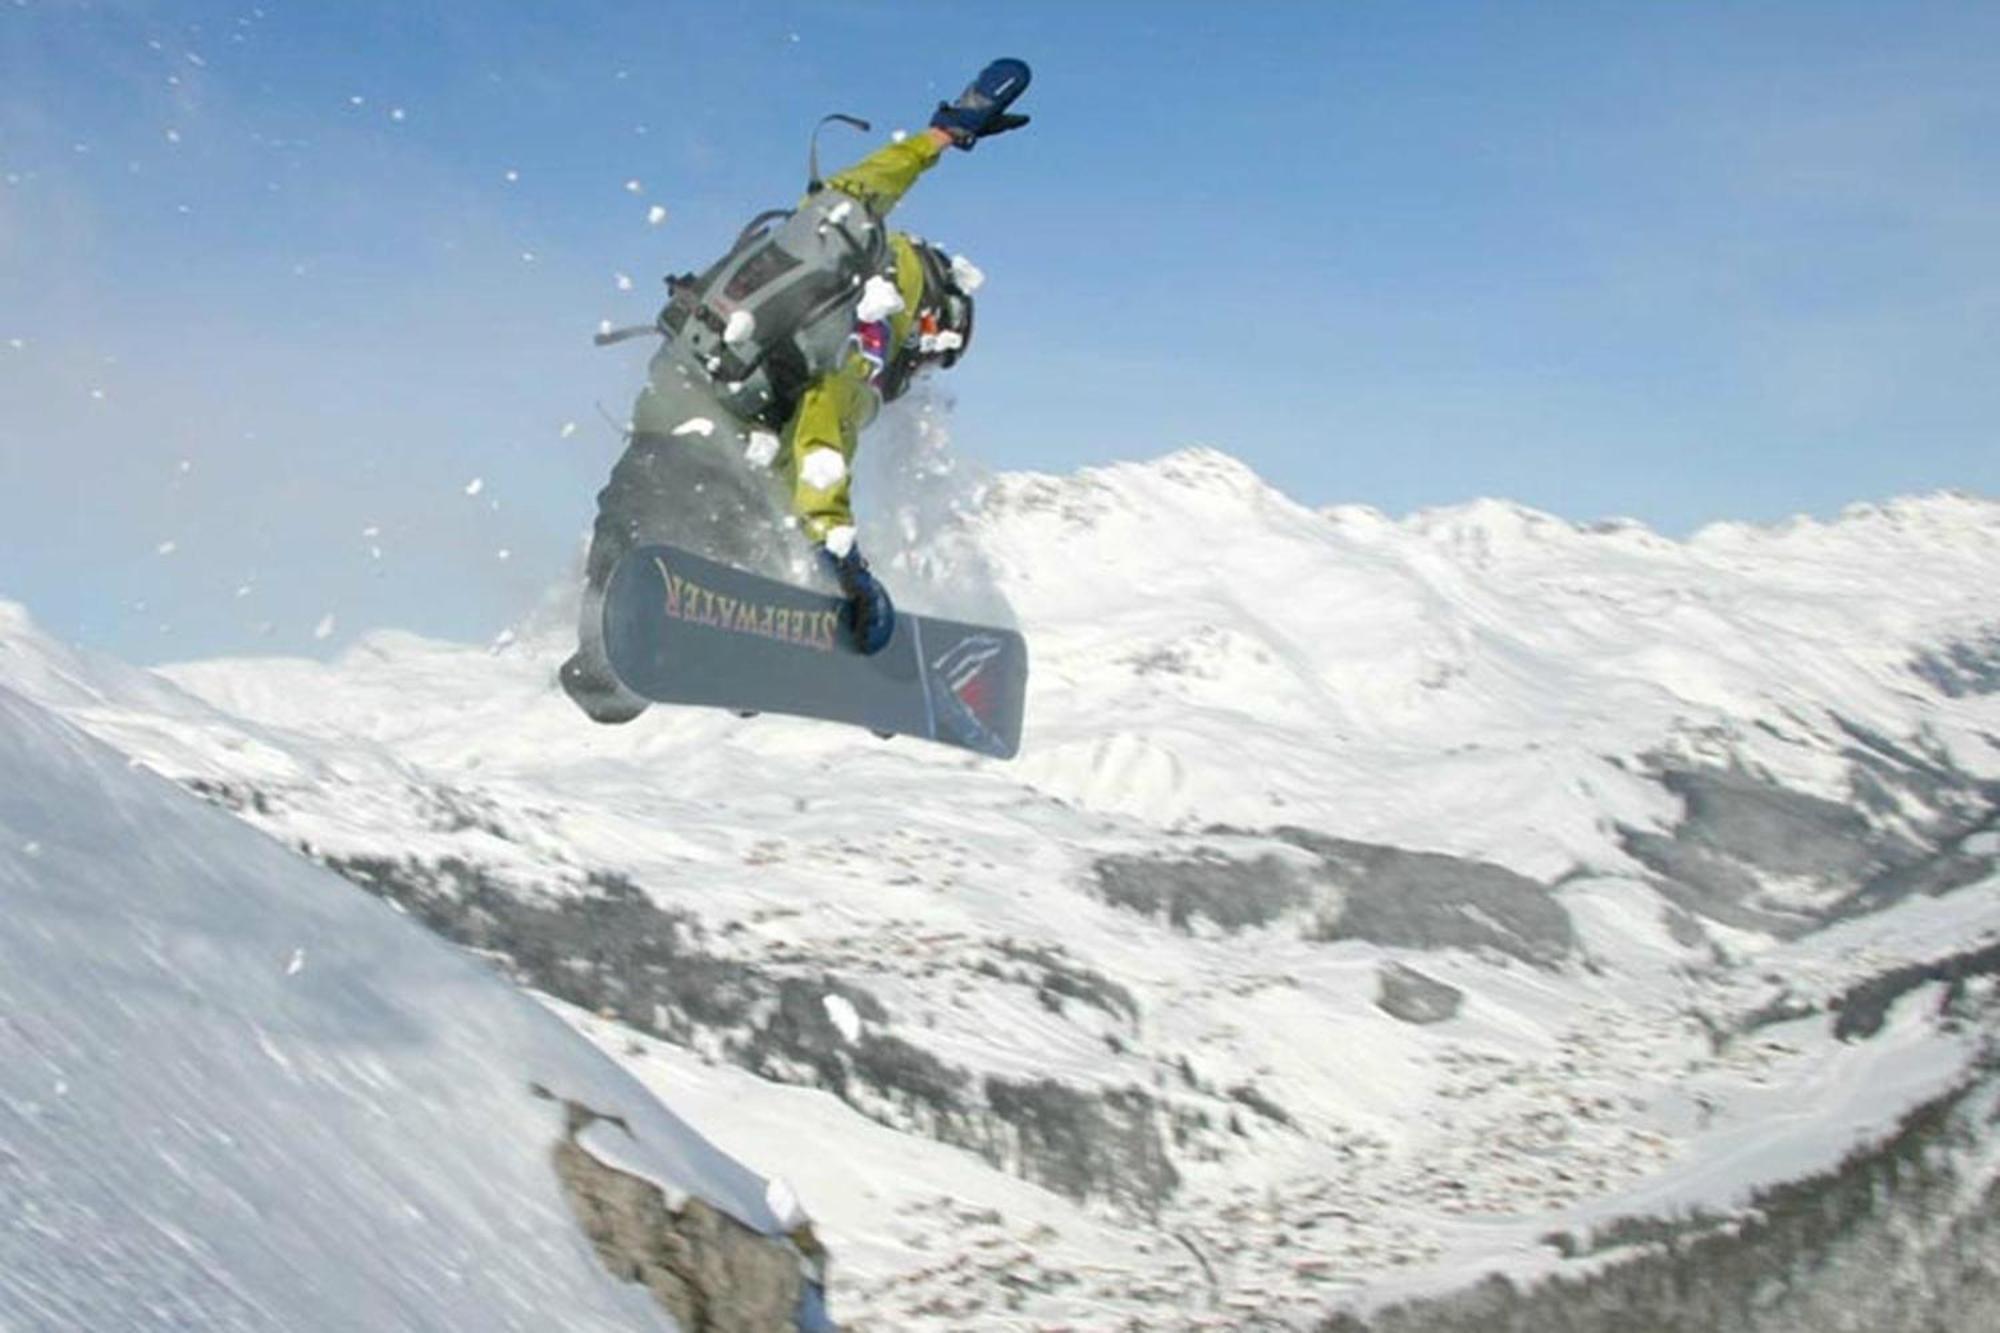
x=234 y=1094
x=1124 y=1028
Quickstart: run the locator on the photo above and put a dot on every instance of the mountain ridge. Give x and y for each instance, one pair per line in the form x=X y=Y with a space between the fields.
x=1348 y=865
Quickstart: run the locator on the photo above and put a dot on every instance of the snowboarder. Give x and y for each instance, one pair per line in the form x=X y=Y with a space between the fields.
x=773 y=362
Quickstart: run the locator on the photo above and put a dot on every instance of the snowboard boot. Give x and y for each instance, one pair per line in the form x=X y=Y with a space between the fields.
x=870 y=618
x=591 y=686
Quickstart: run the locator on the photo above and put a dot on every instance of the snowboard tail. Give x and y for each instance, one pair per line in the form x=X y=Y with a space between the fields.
x=682 y=629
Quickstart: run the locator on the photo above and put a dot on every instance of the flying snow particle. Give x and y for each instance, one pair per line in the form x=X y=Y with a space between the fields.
x=763 y=447
x=298 y=963
x=397 y=114
x=879 y=300
x=357 y=100
x=371 y=531
x=568 y=429
x=655 y=215
x=31 y=849
x=512 y=176
x=324 y=630
x=742 y=327
x=185 y=466
x=173 y=136
x=502 y=554
x=167 y=548
x=695 y=426
x=966 y=274
x=475 y=486
x=840 y=541
x=897 y=136
x=822 y=468
x=18 y=344
x=243 y=590
x=840 y=1010
x=633 y=186
x=97 y=394
x=527 y=256
x=624 y=281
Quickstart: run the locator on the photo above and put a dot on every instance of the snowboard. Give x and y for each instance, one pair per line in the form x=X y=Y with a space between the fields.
x=682 y=629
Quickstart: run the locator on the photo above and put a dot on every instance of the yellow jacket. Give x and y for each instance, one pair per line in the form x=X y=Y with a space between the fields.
x=834 y=408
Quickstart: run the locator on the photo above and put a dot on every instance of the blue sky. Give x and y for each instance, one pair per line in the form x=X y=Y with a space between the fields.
x=279 y=282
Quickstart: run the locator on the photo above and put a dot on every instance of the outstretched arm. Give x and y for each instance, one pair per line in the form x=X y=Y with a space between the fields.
x=881 y=179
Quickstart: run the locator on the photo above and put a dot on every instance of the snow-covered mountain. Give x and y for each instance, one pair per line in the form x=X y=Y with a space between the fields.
x=234 y=1094
x=1376 y=904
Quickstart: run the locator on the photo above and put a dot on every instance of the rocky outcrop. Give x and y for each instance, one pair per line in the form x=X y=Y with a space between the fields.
x=1408 y=994
x=1963 y=667
x=612 y=950
x=709 y=1271
x=1752 y=854
x=1228 y=893
x=1084 y=1144
x=1427 y=900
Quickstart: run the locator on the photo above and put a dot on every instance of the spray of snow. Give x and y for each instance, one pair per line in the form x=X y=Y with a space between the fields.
x=879 y=300
x=917 y=502
x=822 y=468
x=966 y=274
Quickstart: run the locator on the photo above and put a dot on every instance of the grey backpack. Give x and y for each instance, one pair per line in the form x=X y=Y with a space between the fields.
x=776 y=312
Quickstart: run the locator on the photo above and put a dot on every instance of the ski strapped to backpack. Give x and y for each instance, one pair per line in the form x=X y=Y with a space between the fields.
x=776 y=311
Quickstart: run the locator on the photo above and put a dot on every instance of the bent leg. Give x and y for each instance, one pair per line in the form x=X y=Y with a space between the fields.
x=692 y=492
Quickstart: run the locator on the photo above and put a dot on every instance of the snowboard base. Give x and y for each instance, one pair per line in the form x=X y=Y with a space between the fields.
x=682 y=629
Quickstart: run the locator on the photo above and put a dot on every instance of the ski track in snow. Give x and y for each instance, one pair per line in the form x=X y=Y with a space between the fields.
x=1482 y=681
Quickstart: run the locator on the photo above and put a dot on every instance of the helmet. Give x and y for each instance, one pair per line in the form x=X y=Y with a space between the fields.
x=944 y=318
